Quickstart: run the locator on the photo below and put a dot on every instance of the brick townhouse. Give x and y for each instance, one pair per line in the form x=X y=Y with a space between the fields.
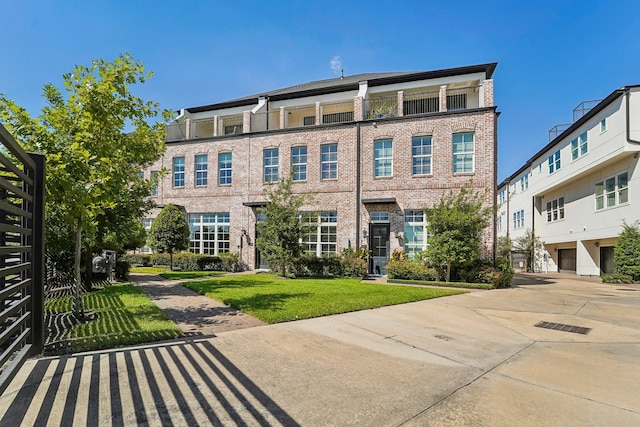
x=372 y=150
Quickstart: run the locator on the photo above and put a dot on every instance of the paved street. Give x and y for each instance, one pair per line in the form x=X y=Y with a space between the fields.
x=475 y=359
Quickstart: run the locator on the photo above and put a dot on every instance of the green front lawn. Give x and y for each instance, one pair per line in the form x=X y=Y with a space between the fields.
x=275 y=300
x=124 y=316
x=175 y=275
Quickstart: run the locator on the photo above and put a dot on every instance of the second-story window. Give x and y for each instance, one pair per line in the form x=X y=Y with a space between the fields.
x=271 y=163
x=224 y=168
x=603 y=125
x=178 y=171
x=579 y=146
x=329 y=161
x=299 y=163
x=524 y=182
x=421 y=155
x=463 y=152
x=518 y=219
x=612 y=191
x=555 y=209
x=383 y=158
x=554 y=162
x=501 y=196
x=202 y=170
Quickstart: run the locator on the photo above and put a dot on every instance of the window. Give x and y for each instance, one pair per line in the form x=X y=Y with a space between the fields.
x=421 y=152
x=201 y=170
x=555 y=210
x=224 y=168
x=501 y=196
x=499 y=223
x=612 y=191
x=463 y=151
x=518 y=219
x=554 y=162
x=579 y=146
x=380 y=217
x=329 y=161
x=178 y=171
x=209 y=233
x=524 y=182
x=415 y=232
x=603 y=125
x=383 y=158
x=146 y=223
x=320 y=237
x=299 y=163
x=271 y=165
x=309 y=120
x=154 y=188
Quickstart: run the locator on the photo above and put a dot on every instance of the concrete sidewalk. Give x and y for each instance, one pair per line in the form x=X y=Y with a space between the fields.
x=474 y=359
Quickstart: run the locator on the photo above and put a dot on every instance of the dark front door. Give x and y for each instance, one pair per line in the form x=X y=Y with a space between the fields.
x=566 y=261
x=261 y=262
x=606 y=260
x=379 y=244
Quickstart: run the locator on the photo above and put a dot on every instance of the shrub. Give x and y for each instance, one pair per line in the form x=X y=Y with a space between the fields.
x=122 y=269
x=499 y=275
x=626 y=257
x=143 y=260
x=397 y=268
x=617 y=279
x=189 y=261
x=350 y=264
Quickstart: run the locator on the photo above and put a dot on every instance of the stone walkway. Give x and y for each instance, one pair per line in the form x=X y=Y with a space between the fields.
x=195 y=314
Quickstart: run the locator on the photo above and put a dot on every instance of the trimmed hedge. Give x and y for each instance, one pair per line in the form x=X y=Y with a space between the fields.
x=188 y=261
x=399 y=268
x=618 y=279
x=309 y=265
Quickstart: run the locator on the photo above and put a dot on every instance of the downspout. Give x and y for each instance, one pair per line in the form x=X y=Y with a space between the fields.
x=628 y=116
x=357 y=242
x=533 y=233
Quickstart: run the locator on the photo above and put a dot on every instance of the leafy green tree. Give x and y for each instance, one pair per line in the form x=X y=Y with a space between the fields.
x=626 y=256
x=169 y=232
x=280 y=233
x=96 y=136
x=504 y=247
x=529 y=245
x=456 y=224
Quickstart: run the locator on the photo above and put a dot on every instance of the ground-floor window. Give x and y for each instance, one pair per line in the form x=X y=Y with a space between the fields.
x=415 y=232
x=320 y=237
x=209 y=233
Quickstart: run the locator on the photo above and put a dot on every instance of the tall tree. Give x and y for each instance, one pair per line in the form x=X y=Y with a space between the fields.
x=169 y=232
x=97 y=136
x=529 y=244
x=280 y=233
x=456 y=224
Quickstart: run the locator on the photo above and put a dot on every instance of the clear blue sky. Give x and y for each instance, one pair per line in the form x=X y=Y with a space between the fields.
x=552 y=54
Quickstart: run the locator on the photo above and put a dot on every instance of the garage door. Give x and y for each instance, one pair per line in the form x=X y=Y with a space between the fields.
x=567 y=261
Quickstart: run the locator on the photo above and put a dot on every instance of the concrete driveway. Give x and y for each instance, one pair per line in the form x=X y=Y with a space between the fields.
x=475 y=359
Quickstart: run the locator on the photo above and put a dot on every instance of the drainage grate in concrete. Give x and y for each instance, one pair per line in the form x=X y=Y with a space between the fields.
x=562 y=327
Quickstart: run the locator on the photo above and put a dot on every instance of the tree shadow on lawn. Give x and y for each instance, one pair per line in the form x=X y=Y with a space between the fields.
x=271 y=302
x=207 y=285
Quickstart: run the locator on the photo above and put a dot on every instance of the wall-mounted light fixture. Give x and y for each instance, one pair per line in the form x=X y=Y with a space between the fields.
x=365 y=233
x=244 y=232
x=597 y=244
x=399 y=235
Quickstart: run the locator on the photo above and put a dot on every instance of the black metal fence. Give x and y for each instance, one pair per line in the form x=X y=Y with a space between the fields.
x=21 y=256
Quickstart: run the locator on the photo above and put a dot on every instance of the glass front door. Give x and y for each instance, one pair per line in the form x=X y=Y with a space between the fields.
x=379 y=244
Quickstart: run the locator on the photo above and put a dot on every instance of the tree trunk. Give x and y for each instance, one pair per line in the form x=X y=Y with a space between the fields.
x=448 y=271
x=78 y=309
x=171 y=260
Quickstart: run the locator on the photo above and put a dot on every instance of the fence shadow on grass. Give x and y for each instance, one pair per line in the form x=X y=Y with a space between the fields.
x=186 y=383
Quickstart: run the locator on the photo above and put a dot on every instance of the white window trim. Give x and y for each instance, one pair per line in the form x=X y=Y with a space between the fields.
x=616 y=191
x=382 y=159
x=558 y=211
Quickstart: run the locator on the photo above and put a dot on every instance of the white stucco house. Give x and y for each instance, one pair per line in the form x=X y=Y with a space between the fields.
x=576 y=192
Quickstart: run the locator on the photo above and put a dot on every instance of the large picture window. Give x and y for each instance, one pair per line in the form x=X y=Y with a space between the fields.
x=383 y=158
x=209 y=233
x=421 y=155
x=555 y=209
x=463 y=152
x=320 y=237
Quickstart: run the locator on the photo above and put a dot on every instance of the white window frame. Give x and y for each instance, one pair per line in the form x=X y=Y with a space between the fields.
x=154 y=188
x=329 y=161
x=178 y=172
x=612 y=191
x=415 y=232
x=271 y=165
x=421 y=155
x=603 y=125
x=321 y=236
x=383 y=158
x=579 y=146
x=225 y=168
x=518 y=219
x=217 y=228
x=554 y=162
x=299 y=163
x=462 y=153
x=524 y=182
x=201 y=170
x=555 y=210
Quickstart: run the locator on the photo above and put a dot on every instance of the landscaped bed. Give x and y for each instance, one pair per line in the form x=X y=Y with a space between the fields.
x=275 y=300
